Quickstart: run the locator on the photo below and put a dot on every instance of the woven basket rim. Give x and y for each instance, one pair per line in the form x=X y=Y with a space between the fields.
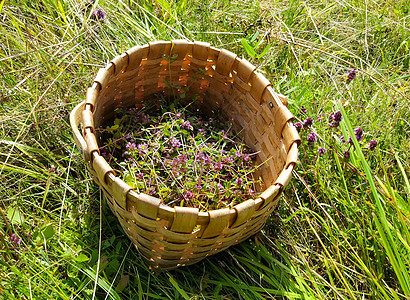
x=165 y=211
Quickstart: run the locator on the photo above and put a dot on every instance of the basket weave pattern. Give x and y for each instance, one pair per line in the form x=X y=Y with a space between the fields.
x=175 y=236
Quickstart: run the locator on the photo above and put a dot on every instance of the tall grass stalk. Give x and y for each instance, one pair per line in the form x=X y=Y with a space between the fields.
x=392 y=246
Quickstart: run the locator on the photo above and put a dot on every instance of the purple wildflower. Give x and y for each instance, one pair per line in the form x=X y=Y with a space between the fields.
x=298 y=125
x=32 y=126
x=201 y=130
x=238 y=154
x=189 y=195
x=145 y=119
x=352 y=75
x=14 y=239
x=321 y=151
x=308 y=122
x=228 y=160
x=99 y=14
x=246 y=157
x=239 y=181
x=200 y=156
x=207 y=161
x=358 y=132
x=174 y=142
x=335 y=118
x=342 y=139
x=350 y=141
x=372 y=144
x=346 y=154
x=142 y=148
x=198 y=187
x=130 y=146
x=183 y=158
x=218 y=166
x=186 y=125
x=303 y=109
x=140 y=176
x=151 y=192
x=220 y=186
x=312 y=138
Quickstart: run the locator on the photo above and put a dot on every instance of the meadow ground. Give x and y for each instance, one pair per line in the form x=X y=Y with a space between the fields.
x=341 y=230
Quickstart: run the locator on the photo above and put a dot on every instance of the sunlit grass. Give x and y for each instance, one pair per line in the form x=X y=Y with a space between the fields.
x=341 y=230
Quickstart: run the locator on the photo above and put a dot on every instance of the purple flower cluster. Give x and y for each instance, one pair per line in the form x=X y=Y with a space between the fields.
x=312 y=138
x=308 y=123
x=298 y=126
x=32 y=126
x=372 y=145
x=358 y=132
x=175 y=143
x=218 y=166
x=352 y=75
x=142 y=149
x=321 y=151
x=335 y=118
x=189 y=195
x=15 y=239
x=130 y=146
x=246 y=157
x=98 y=14
x=186 y=125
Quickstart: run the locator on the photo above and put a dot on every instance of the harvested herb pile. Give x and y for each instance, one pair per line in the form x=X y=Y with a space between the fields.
x=180 y=157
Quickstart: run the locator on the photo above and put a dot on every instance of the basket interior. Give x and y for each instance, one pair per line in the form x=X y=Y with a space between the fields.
x=220 y=80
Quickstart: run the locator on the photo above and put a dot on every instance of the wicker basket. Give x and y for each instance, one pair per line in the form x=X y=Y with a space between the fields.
x=170 y=237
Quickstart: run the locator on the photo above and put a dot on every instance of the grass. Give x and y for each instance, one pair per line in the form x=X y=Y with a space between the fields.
x=341 y=230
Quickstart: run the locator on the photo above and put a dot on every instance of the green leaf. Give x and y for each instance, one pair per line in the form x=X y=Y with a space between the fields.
x=122 y=284
x=15 y=215
x=248 y=48
x=81 y=258
x=48 y=231
x=264 y=51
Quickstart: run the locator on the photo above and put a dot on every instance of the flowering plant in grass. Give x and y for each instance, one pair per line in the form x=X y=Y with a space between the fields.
x=334 y=120
x=181 y=157
x=332 y=128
